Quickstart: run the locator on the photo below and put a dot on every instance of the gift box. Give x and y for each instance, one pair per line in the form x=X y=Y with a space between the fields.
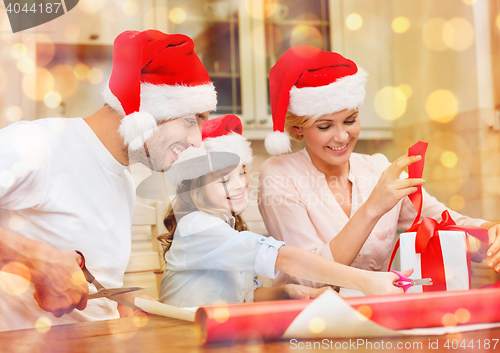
x=446 y=261
x=436 y=250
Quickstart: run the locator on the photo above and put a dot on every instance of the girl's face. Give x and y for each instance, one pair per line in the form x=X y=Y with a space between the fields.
x=332 y=137
x=229 y=192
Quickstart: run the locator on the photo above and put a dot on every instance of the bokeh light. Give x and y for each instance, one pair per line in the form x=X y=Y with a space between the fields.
x=81 y=71
x=91 y=6
x=65 y=81
x=221 y=311
x=400 y=24
x=449 y=159
x=95 y=76
x=14 y=113
x=37 y=83
x=390 y=103
x=469 y=2
x=442 y=106
x=25 y=65
x=52 y=99
x=7 y=179
x=16 y=223
x=15 y=278
x=406 y=89
x=129 y=8
x=462 y=315
x=140 y=319
x=431 y=34
x=72 y=31
x=19 y=169
x=18 y=50
x=317 y=325
x=78 y=278
x=306 y=35
x=498 y=21
x=458 y=34
x=43 y=325
x=354 y=22
x=449 y=320
x=366 y=311
x=456 y=202
x=177 y=15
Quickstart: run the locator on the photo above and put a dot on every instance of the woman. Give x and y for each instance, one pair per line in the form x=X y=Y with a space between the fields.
x=342 y=205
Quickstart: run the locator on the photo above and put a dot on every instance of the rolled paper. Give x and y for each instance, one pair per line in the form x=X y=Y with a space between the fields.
x=157 y=308
x=269 y=320
x=241 y=322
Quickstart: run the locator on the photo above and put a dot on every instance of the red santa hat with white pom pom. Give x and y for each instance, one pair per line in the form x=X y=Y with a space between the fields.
x=156 y=77
x=308 y=81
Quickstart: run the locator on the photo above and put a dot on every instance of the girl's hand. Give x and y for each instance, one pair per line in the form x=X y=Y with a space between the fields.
x=297 y=291
x=380 y=283
x=390 y=189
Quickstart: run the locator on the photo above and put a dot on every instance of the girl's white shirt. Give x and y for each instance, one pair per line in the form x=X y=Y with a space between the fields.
x=210 y=261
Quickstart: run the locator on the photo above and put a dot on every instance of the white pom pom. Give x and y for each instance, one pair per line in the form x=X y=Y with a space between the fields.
x=136 y=128
x=277 y=143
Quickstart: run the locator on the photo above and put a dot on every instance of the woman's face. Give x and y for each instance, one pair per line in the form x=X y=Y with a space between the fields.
x=332 y=137
x=228 y=192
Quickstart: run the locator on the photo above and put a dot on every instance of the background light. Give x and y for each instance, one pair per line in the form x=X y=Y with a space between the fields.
x=354 y=22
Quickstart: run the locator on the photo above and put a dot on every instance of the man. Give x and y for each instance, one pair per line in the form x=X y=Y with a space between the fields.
x=64 y=184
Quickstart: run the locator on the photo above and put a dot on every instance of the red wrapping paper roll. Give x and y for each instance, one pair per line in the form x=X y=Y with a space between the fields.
x=269 y=320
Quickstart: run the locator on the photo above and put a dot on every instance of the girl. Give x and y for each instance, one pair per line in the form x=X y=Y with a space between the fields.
x=342 y=205
x=210 y=254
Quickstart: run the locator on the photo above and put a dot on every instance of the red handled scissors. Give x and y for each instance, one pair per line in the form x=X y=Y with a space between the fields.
x=406 y=283
x=110 y=293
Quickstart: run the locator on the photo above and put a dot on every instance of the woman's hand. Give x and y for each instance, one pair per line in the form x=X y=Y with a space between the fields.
x=390 y=188
x=297 y=291
x=493 y=252
x=383 y=283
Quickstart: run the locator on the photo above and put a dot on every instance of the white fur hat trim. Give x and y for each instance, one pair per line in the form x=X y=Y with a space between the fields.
x=166 y=102
x=136 y=128
x=277 y=143
x=345 y=93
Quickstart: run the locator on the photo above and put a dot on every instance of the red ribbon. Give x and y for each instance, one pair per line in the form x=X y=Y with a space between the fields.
x=426 y=244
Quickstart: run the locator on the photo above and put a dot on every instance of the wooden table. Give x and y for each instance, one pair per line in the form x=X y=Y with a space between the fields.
x=150 y=334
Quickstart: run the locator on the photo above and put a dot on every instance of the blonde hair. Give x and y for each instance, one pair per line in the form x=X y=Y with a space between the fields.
x=292 y=120
x=190 y=198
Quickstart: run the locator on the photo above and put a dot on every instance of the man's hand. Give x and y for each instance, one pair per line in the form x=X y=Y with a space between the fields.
x=60 y=285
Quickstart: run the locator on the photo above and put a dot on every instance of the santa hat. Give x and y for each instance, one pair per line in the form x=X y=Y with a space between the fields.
x=222 y=146
x=308 y=81
x=156 y=77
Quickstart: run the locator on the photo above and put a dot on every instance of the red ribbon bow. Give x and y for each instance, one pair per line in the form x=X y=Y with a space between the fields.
x=426 y=244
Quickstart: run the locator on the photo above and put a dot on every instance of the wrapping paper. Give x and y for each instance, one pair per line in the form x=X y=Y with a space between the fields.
x=386 y=316
x=157 y=308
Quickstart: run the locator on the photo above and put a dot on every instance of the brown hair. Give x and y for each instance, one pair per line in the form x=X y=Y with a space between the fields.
x=292 y=120
x=190 y=198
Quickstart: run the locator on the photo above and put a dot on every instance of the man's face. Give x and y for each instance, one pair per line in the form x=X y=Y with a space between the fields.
x=172 y=138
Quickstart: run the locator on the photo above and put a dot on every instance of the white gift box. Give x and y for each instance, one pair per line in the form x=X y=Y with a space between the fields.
x=454 y=257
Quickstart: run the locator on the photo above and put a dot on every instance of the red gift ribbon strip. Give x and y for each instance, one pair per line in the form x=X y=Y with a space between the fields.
x=428 y=246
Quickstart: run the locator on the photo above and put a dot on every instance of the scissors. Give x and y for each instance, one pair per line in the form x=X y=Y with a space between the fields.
x=110 y=293
x=411 y=282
